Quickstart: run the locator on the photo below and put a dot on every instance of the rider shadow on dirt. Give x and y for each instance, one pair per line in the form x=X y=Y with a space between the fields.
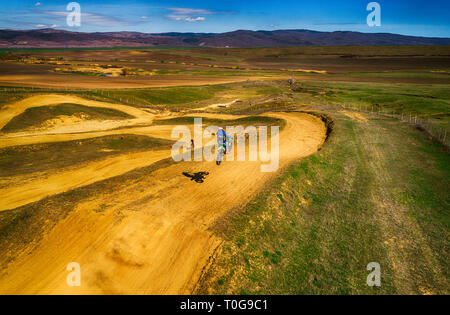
x=198 y=177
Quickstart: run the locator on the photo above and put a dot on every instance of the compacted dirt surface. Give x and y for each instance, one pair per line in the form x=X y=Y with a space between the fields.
x=154 y=237
x=87 y=82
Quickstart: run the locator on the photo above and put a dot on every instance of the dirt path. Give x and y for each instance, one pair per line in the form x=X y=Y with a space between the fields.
x=218 y=105
x=91 y=82
x=16 y=196
x=355 y=116
x=10 y=111
x=155 y=237
x=44 y=137
x=85 y=129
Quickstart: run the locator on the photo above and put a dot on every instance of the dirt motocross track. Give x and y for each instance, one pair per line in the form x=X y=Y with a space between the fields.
x=155 y=236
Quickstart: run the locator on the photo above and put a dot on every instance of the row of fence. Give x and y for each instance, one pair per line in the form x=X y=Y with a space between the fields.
x=436 y=131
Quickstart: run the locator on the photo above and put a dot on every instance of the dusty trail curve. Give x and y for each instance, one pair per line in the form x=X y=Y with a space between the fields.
x=86 y=174
x=155 y=237
x=8 y=112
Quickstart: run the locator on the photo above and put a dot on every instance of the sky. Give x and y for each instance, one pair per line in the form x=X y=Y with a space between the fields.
x=408 y=17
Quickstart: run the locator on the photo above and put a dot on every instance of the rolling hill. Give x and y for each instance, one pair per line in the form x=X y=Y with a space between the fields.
x=241 y=38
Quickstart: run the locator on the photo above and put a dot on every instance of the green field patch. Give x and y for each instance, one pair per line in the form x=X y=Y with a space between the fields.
x=244 y=121
x=315 y=228
x=396 y=74
x=426 y=101
x=187 y=96
x=169 y=96
x=48 y=156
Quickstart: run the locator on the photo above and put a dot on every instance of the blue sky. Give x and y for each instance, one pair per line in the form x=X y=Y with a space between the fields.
x=409 y=17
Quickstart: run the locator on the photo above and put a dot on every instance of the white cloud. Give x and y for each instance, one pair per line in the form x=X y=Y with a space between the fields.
x=37 y=4
x=91 y=18
x=200 y=18
x=143 y=17
x=185 y=18
x=49 y=12
x=188 y=14
x=189 y=11
x=101 y=20
x=41 y=25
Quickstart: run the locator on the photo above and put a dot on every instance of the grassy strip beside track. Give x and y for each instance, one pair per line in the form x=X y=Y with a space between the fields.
x=55 y=155
x=244 y=121
x=369 y=195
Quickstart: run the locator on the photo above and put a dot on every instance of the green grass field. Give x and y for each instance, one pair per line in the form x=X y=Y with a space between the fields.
x=427 y=101
x=244 y=121
x=368 y=195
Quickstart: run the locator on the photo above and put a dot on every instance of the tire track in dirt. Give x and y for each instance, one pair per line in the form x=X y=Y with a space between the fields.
x=162 y=132
x=16 y=196
x=155 y=239
x=10 y=111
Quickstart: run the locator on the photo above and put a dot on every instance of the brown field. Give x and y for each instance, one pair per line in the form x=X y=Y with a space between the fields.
x=214 y=66
x=74 y=81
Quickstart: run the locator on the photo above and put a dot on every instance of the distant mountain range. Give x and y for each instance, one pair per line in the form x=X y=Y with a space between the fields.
x=242 y=38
